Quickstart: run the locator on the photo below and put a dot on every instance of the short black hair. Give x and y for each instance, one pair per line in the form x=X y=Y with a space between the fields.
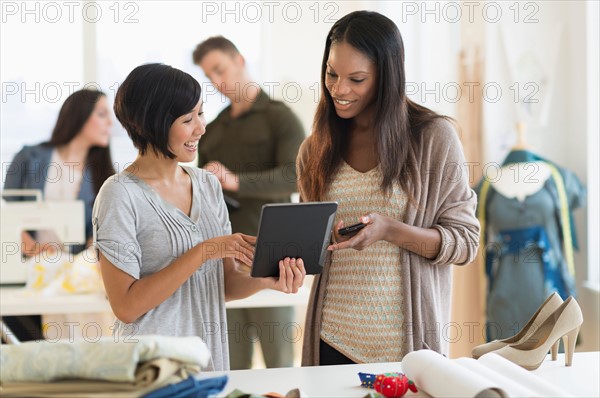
x=148 y=102
x=213 y=43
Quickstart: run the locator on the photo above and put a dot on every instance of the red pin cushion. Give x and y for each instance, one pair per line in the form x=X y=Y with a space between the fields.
x=391 y=385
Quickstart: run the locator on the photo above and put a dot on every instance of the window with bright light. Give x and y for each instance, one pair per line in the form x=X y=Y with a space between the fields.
x=41 y=64
x=141 y=34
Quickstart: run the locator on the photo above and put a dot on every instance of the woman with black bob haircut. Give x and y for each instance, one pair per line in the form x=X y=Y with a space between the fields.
x=398 y=169
x=168 y=258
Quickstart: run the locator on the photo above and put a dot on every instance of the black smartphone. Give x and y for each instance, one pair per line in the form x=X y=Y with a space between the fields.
x=352 y=229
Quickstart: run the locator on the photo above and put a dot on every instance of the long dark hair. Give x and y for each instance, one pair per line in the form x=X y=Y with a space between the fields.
x=398 y=121
x=73 y=114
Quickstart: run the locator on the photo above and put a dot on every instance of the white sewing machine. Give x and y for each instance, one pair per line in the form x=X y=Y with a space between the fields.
x=65 y=218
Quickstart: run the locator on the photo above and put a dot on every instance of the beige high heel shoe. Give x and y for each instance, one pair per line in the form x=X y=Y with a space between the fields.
x=563 y=323
x=548 y=307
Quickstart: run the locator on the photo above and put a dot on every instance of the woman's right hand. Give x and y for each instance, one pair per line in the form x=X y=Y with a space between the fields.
x=237 y=246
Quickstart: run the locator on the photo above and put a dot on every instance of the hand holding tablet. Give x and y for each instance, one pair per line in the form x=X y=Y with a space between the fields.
x=291 y=276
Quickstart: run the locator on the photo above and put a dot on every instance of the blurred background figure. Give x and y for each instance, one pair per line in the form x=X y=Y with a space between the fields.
x=251 y=147
x=72 y=165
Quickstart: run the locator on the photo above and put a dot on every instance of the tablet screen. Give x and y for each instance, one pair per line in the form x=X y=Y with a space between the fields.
x=299 y=230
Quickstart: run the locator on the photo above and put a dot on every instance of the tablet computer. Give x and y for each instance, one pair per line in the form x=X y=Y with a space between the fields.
x=299 y=230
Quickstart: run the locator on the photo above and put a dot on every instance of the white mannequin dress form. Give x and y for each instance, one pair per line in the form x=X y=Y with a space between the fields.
x=520 y=180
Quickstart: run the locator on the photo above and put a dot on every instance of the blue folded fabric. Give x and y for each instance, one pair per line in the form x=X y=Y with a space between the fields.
x=191 y=388
x=367 y=380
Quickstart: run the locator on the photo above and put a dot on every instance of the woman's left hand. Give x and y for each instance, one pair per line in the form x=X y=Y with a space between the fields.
x=375 y=230
x=291 y=276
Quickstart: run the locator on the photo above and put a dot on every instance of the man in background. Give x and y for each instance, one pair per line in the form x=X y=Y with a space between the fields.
x=251 y=147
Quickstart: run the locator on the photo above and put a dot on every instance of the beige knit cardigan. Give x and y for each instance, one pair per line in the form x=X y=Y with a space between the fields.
x=446 y=203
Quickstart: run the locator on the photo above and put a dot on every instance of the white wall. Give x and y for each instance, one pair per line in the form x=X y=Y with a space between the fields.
x=593 y=129
x=293 y=52
x=591 y=292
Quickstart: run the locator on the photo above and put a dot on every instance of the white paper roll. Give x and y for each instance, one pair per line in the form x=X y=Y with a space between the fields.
x=440 y=377
x=511 y=386
x=524 y=377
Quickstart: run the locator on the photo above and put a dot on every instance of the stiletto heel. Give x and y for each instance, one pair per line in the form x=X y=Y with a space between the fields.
x=546 y=309
x=569 y=341
x=555 y=350
x=531 y=353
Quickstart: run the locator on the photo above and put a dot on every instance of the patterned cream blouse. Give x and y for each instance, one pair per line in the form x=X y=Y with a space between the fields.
x=362 y=315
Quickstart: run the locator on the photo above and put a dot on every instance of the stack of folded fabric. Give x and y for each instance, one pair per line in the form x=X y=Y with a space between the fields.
x=134 y=367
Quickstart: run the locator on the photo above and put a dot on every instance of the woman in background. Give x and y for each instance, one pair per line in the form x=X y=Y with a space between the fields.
x=78 y=157
x=398 y=168
x=72 y=165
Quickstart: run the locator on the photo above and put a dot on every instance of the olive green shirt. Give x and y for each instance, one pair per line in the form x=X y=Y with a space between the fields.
x=260 y=147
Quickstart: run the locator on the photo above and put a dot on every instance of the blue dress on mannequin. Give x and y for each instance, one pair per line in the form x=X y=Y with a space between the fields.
x=525 y=258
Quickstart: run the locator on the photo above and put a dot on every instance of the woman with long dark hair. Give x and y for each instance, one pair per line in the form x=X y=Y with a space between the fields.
x=72 y=165
x=398 y=169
